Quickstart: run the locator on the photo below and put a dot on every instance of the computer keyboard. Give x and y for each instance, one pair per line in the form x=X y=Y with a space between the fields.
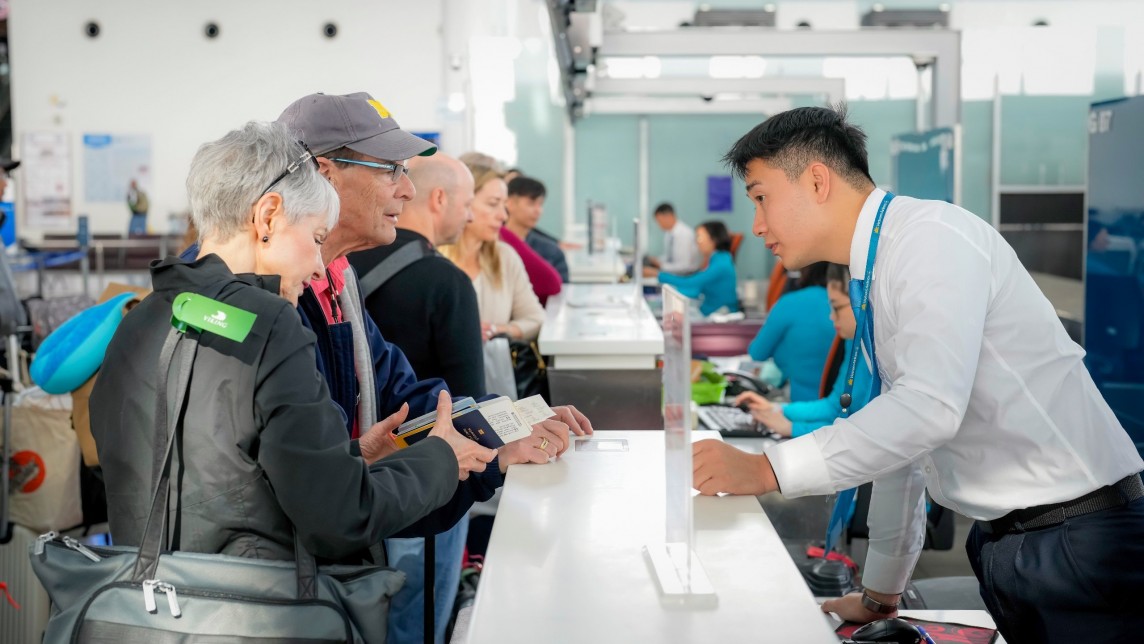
x=731 y=422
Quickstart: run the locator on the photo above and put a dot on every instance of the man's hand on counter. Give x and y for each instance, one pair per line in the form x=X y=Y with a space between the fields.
x=718 y=467
x=549 y=439
x=574 y=419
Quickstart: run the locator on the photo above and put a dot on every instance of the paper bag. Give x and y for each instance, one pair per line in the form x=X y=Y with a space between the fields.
x=44 y=467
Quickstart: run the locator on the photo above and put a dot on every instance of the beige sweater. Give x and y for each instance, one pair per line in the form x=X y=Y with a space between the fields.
x=513 y=302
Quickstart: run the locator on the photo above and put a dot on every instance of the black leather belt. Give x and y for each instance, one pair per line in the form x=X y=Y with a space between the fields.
x=1124 y=491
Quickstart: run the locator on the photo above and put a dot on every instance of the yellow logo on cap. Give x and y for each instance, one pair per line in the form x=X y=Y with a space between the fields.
x=384 y=113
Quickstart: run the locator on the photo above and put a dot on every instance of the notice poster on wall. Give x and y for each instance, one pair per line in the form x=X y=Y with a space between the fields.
x=719 y=194
x=45 y=173
x=111 y=162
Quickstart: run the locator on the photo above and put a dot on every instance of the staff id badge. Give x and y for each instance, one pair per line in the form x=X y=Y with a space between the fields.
x=211 y=316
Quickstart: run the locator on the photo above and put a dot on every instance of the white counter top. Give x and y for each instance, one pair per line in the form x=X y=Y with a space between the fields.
x=600 y=326
x=564 y=563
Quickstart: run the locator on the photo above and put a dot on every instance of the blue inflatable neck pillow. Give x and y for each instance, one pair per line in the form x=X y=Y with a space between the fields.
x=73 y=352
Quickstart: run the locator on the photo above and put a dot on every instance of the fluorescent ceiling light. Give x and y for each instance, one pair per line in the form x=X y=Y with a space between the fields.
x=630 y=67
x=737 y=67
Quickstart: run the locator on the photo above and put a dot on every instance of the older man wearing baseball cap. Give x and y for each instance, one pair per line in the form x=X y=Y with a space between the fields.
x=363 y=152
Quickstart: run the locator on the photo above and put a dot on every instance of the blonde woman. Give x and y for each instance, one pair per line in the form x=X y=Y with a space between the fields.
x=508 y=306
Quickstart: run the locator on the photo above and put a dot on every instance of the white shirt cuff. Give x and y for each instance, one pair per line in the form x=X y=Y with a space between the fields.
x=888 y=573
x=800 y=467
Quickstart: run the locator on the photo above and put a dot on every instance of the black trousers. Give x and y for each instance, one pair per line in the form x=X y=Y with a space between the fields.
x=1079 y=582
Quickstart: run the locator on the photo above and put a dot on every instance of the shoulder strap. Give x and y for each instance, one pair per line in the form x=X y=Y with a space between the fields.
x=178 y=353
x=392 y=265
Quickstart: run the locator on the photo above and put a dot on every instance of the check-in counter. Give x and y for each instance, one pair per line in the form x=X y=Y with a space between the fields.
x=565 y=560
x=604 y=344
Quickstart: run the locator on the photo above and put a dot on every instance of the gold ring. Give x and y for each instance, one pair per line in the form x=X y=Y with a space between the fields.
x=543 y=443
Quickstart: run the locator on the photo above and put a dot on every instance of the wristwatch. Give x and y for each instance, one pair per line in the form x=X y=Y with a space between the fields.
x=875 y=606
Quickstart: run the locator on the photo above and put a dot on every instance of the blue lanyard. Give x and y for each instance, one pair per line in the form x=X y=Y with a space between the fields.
x=864 y=309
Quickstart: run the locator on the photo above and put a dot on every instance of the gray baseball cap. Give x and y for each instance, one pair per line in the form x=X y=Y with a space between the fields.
x=326 y=122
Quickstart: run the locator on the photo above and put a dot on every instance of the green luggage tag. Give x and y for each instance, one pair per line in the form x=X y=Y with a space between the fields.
x=210 y=316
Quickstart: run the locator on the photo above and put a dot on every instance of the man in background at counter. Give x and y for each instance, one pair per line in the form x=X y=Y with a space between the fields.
x=680 y=250
x=985 y=401
x=525 y=204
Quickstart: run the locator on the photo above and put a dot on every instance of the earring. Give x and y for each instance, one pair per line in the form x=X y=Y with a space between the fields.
x=266 y=239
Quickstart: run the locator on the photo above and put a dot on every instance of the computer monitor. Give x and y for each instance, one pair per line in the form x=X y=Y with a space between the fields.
x=597 y=227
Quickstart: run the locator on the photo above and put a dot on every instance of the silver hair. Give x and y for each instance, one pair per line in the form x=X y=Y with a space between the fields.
x=229 y=175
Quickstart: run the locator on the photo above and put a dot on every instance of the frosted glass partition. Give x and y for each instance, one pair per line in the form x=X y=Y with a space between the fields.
x=677 y=569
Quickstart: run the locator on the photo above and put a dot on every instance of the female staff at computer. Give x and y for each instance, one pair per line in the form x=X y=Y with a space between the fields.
x=798 y=418
x=716 y=284
x=797 y=334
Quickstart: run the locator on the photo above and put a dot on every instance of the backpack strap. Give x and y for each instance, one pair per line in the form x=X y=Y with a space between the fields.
x=392 y=265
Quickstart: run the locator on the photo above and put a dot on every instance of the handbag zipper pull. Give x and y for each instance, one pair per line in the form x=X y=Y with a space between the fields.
x=149 y=595
x=172 y=598
x=80 y=548
x=41 y=541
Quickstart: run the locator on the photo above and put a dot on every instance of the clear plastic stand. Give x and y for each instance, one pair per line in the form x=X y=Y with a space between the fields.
x=637 y=269
x=674 y=564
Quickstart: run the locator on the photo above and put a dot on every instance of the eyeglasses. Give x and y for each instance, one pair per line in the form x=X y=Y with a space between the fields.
x=396 y=170
x=307 y=155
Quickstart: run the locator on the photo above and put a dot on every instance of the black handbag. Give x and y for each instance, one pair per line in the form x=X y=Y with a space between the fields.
x=529 y=369
x=144 y=594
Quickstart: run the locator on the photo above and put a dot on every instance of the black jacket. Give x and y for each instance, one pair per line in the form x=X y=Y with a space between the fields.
x=429 y=309
x=262 y=447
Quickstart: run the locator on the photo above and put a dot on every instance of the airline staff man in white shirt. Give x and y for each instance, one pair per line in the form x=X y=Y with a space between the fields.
x=984 y=400
x=680 y=251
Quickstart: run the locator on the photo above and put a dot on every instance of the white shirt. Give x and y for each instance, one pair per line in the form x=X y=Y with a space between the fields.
x=985 y=399
x=680 y=253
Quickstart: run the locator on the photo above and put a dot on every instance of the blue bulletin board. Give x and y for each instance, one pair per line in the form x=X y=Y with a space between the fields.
x=926 y=164
x=719 y=194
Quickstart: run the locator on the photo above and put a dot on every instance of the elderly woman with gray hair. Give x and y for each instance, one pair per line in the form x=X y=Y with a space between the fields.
x=263 y=452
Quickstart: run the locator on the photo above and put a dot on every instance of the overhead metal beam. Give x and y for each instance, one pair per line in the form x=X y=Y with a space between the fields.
x=834 y=89
x=682 y=105
x=746 y=41
x=942 y=47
